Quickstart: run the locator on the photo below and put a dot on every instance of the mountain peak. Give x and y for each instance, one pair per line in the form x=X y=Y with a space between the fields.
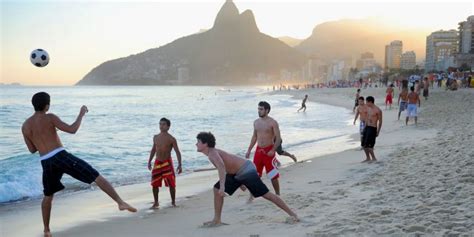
x=227 y=15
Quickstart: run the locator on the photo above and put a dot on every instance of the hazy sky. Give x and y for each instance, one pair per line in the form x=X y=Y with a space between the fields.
x=80 y=35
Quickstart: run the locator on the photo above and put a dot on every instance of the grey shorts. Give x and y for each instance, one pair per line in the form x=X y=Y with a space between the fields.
x=247 y=176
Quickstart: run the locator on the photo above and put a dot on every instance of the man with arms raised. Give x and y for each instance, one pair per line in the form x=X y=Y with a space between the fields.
x=233 y=173
x=39 y=132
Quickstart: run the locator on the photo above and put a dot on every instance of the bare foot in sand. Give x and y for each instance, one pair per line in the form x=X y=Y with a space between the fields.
x=155 y=206
x=292 y=220
x=293 y=157
x=47 y=234
x=124 y=206
x=210 y=224
x=173 y=205
x=365 y=161
x=250 y=200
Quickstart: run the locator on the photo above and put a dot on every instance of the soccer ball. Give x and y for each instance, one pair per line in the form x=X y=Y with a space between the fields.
x=39 y=58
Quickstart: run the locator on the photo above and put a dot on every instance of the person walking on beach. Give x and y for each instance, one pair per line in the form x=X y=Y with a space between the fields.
x=361 y=113
x=234 y=172
x=426 y=89
x=389 y=97
x=40 y=135
x=402 y=101
x=163 y=169
x=372 y=129
x=413 y=99
x=356 y=103
x=303 y=104
x=266 y=135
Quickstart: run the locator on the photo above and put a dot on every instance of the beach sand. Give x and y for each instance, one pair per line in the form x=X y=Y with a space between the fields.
x=423 y=183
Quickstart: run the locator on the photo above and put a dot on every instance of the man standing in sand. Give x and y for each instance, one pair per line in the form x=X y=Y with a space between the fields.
x=362 y=112
x=357 y=95
x=303 y=104
x=389 y=97
x=234 y=172
x=39 y=133
x=163 y=169
x=266 y=135
x=402 y=101
x=413 y=99
x=372 y=129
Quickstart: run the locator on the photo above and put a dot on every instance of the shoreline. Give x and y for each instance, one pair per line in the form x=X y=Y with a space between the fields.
x=31 y=206
x=334 y=194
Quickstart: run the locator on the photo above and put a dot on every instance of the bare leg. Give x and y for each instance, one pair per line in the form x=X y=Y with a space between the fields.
x=156 y=203
x=416 y=120
x=280 y=203
x=406 y=122
x=173 y=196
x=46 y=211
x=293 y=157
x=371 y=152
x=276 y=186
x=399 y=113
x=367 y=155
x=107 y=188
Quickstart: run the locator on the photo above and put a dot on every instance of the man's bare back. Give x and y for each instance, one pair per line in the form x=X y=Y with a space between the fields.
x=232 y=162
x=389 y=91
x=413 y=98
x=163 y=144
x=39 y=131
x=404 y=95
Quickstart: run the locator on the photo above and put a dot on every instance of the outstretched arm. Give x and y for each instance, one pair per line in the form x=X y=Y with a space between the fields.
x=58 y=123
x=216 y=160
x=178 y=155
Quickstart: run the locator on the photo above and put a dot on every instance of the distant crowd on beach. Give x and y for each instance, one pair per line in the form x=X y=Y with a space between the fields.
x=451 y=81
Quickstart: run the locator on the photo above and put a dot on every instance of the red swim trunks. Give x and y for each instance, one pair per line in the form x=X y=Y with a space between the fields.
x=163 y=170
x=261 y=159
x=388 y=99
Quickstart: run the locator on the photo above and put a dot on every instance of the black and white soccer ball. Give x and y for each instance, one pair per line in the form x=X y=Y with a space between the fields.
x=39 y=57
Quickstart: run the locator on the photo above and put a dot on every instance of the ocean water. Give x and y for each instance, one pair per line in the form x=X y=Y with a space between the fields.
x=116 y=135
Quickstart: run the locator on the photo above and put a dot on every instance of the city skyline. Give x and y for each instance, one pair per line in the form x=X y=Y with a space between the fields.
x=80 y=36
